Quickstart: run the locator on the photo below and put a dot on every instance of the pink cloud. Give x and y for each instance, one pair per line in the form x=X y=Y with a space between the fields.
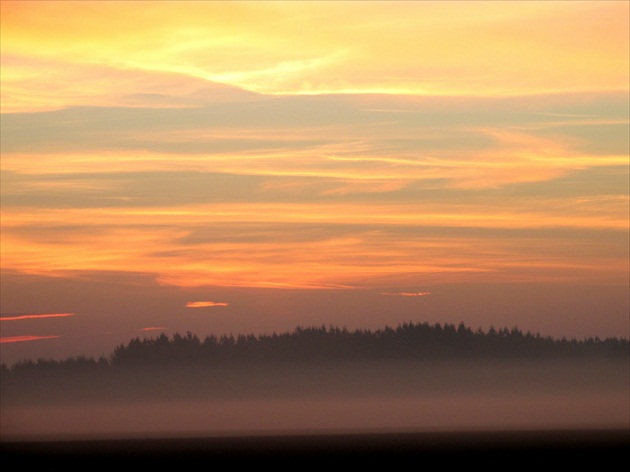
x=153 y=328
x=19 y=339
x=35 y=316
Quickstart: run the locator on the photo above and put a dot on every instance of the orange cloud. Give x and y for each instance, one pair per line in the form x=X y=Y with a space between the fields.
x=153 y=328
x=302 y=181
x=353 y=243
x=19 y=339
x=205 y=304
x=35 y=316
x=408 y=294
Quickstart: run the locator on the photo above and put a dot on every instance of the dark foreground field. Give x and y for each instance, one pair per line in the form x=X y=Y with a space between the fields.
x=524 y=447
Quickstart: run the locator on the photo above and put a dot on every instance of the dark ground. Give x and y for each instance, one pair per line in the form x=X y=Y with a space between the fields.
x=502 y=449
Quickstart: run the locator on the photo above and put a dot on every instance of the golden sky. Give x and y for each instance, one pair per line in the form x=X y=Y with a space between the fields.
x=95 y=51
x=383 y=146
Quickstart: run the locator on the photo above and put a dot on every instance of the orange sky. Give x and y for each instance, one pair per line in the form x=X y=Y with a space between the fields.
x=336 y=146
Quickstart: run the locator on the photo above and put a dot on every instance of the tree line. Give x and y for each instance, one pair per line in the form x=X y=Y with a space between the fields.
x=408 y=341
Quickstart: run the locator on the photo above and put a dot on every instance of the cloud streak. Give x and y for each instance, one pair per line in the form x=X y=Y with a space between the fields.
x=205 y=304
x=35 y=316
x=20 y=339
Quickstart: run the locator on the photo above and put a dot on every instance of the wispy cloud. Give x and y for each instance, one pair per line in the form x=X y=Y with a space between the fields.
x=407 y=294
x=205 y=304
x=19 y=339
x=488 y=48
x=35 y=316
x=154 y=328
x=505 y=165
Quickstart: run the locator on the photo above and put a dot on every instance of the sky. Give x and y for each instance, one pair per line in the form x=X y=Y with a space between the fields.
x=250 y=167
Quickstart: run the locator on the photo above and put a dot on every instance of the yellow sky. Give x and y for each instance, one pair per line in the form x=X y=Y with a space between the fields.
x=92 y=50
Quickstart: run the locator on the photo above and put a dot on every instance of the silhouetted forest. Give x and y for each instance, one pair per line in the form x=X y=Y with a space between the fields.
x=421 y=341
x=412 y=359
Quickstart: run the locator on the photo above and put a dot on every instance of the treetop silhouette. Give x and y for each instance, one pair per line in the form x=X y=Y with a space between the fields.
x=408 y=341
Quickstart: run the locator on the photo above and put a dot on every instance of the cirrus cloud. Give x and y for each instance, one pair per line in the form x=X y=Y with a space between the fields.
x=205 y=304
x=34 y=316
x=18 y=339
x=407 y=294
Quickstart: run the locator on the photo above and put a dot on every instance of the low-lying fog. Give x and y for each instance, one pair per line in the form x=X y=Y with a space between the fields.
x=387 y=396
